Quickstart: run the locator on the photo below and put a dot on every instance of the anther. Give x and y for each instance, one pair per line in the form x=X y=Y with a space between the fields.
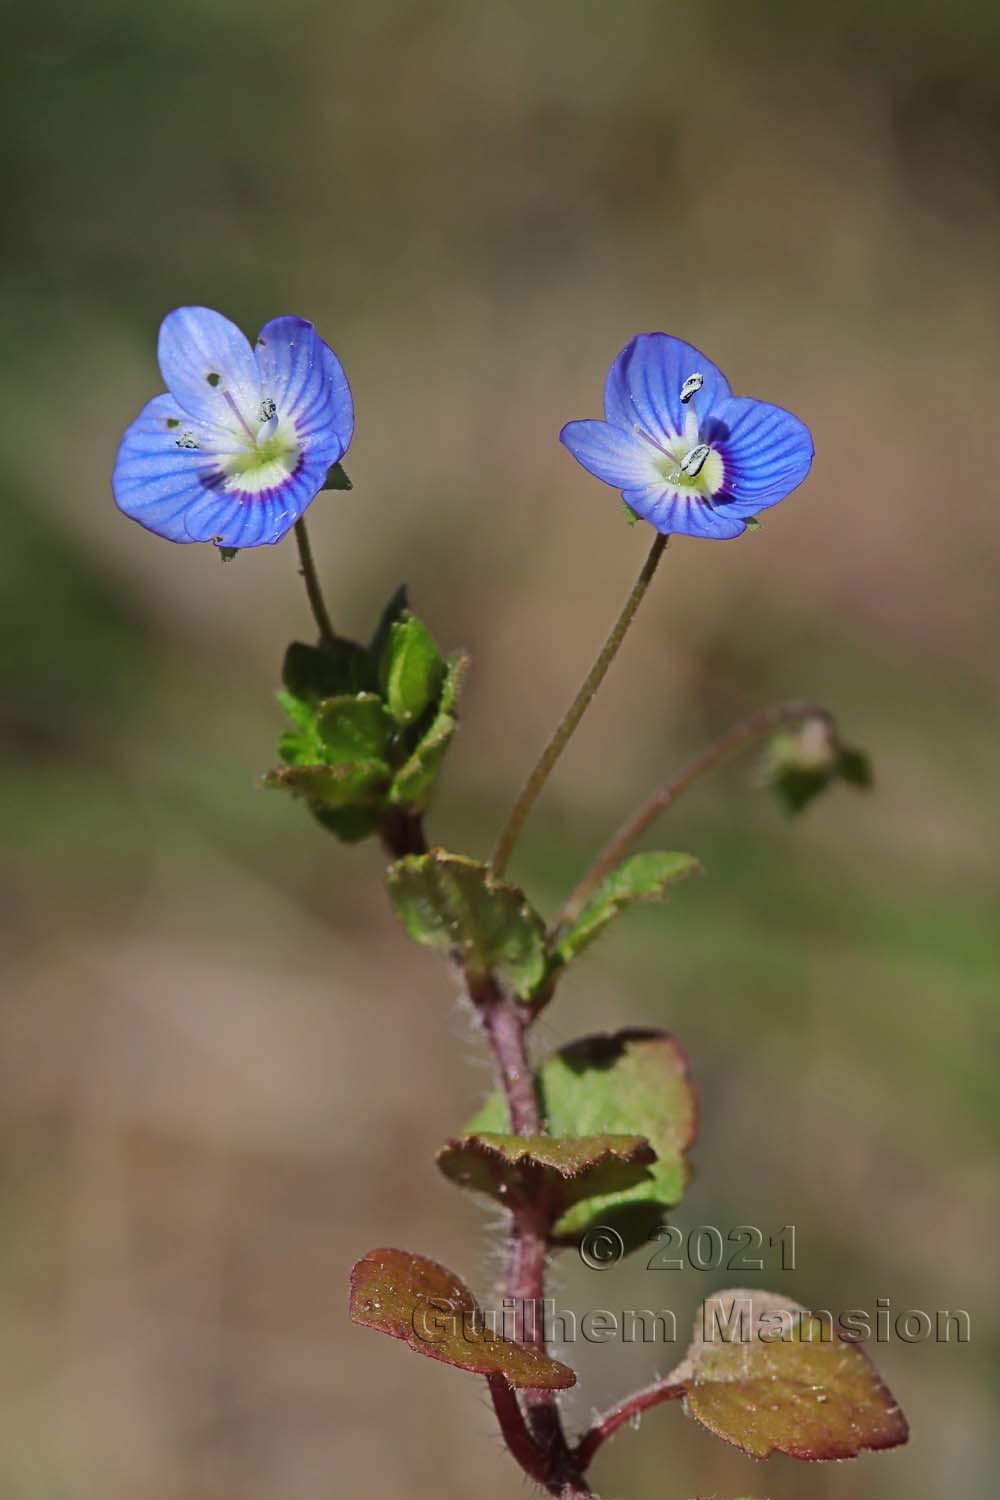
x=691 y=387
x=267 y=409
x=692 y=463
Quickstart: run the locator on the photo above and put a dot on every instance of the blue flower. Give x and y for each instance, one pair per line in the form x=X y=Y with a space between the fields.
x=244 y=439
x=688 y=455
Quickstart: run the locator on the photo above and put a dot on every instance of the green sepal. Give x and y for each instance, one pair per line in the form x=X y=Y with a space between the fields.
x=801 y=763
x=854 y=766
x=226 y=554
x=353 y=729
x=448 y=902
x=640 y=877
x=336 y=479
x=411 y=669
x=545 y=1175
x=631 y=1083
x=415 y=780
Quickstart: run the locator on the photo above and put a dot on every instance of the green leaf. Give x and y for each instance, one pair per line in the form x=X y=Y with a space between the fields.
x=362 y=783
x=545 y=1174
x=349 y=824
x=630 y=1083
x=337 y=479
x=313 y=673
x=448 y=902
x=353 y=728
x=392 y=612
x=415 y=780
x=414 y=1299
x=411 y=669
x=768 y=1376
x=640 y=877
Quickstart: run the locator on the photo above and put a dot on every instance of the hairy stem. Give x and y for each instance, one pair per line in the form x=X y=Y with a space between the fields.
x=505 y=1023
x=626 y=1411
x=532 y=787
x=738 y=738
x=307 y=567
x=520 y=1443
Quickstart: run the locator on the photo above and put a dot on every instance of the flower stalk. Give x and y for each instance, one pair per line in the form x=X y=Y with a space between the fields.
x=736 y=739
x=314 y=589
x=546 y=762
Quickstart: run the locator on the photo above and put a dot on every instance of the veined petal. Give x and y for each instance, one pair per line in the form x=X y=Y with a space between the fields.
x=643 y=387
x=767 y=452
x=165 y=464
x=237 y=513
x=683 y=513
x=619 y=458
x=306 y=381
x=209 y=368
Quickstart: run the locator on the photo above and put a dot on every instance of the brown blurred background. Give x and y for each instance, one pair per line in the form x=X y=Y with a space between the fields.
x=224 y=1071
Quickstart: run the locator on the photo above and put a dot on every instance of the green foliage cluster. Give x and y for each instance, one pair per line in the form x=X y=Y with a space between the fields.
x=372 y=723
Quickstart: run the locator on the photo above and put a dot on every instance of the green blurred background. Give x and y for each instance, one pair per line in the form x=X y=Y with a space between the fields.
x=224 y=1073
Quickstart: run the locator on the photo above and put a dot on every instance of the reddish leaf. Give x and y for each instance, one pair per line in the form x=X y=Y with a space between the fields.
x=548 y=1173
x=414 y=1299
x=766 y=1375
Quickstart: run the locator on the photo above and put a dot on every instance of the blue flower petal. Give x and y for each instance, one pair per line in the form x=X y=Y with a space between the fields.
x=209 y=368
x=306 y=380
x=766 y=450
x=158 y=475
x=643 y=388
x=235 y=517
x=619 y=458
x=683 y=514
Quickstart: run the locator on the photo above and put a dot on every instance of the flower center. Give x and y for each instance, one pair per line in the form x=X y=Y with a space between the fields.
x=266 y=461
x=687 y=464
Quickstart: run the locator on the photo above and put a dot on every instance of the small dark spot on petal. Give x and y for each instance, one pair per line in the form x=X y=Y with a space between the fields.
x=213 y=377
x=173 y=421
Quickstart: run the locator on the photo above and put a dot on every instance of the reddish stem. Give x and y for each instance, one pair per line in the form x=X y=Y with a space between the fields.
x=519 y=1440
x=505 y=1023
x=735 y=739
x=607 y=1425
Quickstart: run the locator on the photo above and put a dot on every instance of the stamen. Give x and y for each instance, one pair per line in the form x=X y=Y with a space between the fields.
x=239 y=416
x=641 y=432
x=692 y=463
x=186 y=440
x=691 y=387
x=267 y=410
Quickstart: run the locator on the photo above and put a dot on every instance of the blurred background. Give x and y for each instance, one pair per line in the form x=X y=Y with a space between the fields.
x=224 y=1071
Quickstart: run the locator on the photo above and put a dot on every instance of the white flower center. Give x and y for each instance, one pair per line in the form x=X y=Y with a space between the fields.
x=268 y=452
x=688 y=465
